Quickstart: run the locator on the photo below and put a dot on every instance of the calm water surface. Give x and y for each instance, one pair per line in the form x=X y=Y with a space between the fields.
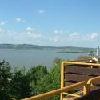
x=33 y=57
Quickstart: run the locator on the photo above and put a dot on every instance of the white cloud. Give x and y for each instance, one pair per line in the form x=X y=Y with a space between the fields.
x=3 y=23
x=18 y=19
x=93 y=36
x=41 y=11
x=55 y=39
x=0 y=29
x=82 y=37
x=8 y=36
x=34 y=37
x=90 y=37
x=58 y=31
x=55 y=31
x=29 y=28
x=28 y=32
x=74 y=36
x=31 y=33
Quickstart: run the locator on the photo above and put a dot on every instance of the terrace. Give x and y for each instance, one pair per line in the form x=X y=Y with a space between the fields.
x=79 y=81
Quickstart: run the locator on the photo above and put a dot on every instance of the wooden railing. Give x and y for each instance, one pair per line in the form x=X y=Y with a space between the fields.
x=54 y=92
x=86 y=85
x=87 y=89
x=65 y=89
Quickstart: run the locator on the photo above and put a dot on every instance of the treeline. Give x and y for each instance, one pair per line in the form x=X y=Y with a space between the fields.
x=21 y=83
x=61 y=48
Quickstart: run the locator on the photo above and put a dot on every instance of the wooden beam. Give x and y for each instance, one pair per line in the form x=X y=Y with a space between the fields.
x=82 y=63
x=54 y=92
x=62 y=79
x=91 y=80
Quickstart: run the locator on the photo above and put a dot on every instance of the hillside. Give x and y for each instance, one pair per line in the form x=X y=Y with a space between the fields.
x=60 y=48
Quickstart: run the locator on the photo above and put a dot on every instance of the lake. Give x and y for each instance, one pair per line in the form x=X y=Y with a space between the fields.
x=34 y=57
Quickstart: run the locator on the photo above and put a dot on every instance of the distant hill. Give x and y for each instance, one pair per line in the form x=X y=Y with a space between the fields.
x=60 y=48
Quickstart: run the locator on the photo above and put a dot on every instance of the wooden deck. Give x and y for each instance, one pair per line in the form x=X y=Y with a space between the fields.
x=74 y=72
x=71 y=75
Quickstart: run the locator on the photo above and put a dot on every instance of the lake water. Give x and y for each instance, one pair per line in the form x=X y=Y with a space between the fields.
x=33 y=57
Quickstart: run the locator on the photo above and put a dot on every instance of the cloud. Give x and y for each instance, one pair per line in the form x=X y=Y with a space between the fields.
x=0 y=29
x=60 y=36
x=58 y=31
x=41 y=11
x=74 y=36
x=31 y=33
x=90 y=37
x=93 y=36
x=54 y=39
x=82 y=37
x=32 y=36
x=3 y=23
x=29 y=28
x=18 y=19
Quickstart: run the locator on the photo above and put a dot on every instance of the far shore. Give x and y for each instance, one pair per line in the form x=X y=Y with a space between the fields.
x=73 y=52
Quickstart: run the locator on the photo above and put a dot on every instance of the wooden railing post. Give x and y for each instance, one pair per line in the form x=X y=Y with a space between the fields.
x=86 y=89
x=62 y=78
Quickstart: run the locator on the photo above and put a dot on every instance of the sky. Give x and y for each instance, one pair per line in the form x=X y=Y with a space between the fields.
x=50 y=22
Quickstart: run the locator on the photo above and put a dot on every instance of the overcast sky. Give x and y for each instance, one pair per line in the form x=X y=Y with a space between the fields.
x=50 y=22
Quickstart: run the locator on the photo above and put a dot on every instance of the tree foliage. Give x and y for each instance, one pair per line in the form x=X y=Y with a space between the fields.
x=5 y=76
x=91 y=54
x=20 y=85
x=23 y=83
x=36 y=74
x=56 y=61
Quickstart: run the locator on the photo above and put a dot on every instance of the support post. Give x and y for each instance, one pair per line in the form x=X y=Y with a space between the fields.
x=86 y=89
x=62 y=78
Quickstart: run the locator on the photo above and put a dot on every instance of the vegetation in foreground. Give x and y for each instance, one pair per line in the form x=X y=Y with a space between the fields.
x=22 y=83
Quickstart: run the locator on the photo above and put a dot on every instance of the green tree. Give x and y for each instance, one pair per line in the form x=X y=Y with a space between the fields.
x=20 y=85
x=91 y=54
x=56 y=79
x=5 y=78
x=36 y=74
x=50 y=81
x=56 y=61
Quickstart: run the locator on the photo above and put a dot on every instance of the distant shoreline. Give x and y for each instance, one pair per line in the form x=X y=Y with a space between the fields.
x=73 y=52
